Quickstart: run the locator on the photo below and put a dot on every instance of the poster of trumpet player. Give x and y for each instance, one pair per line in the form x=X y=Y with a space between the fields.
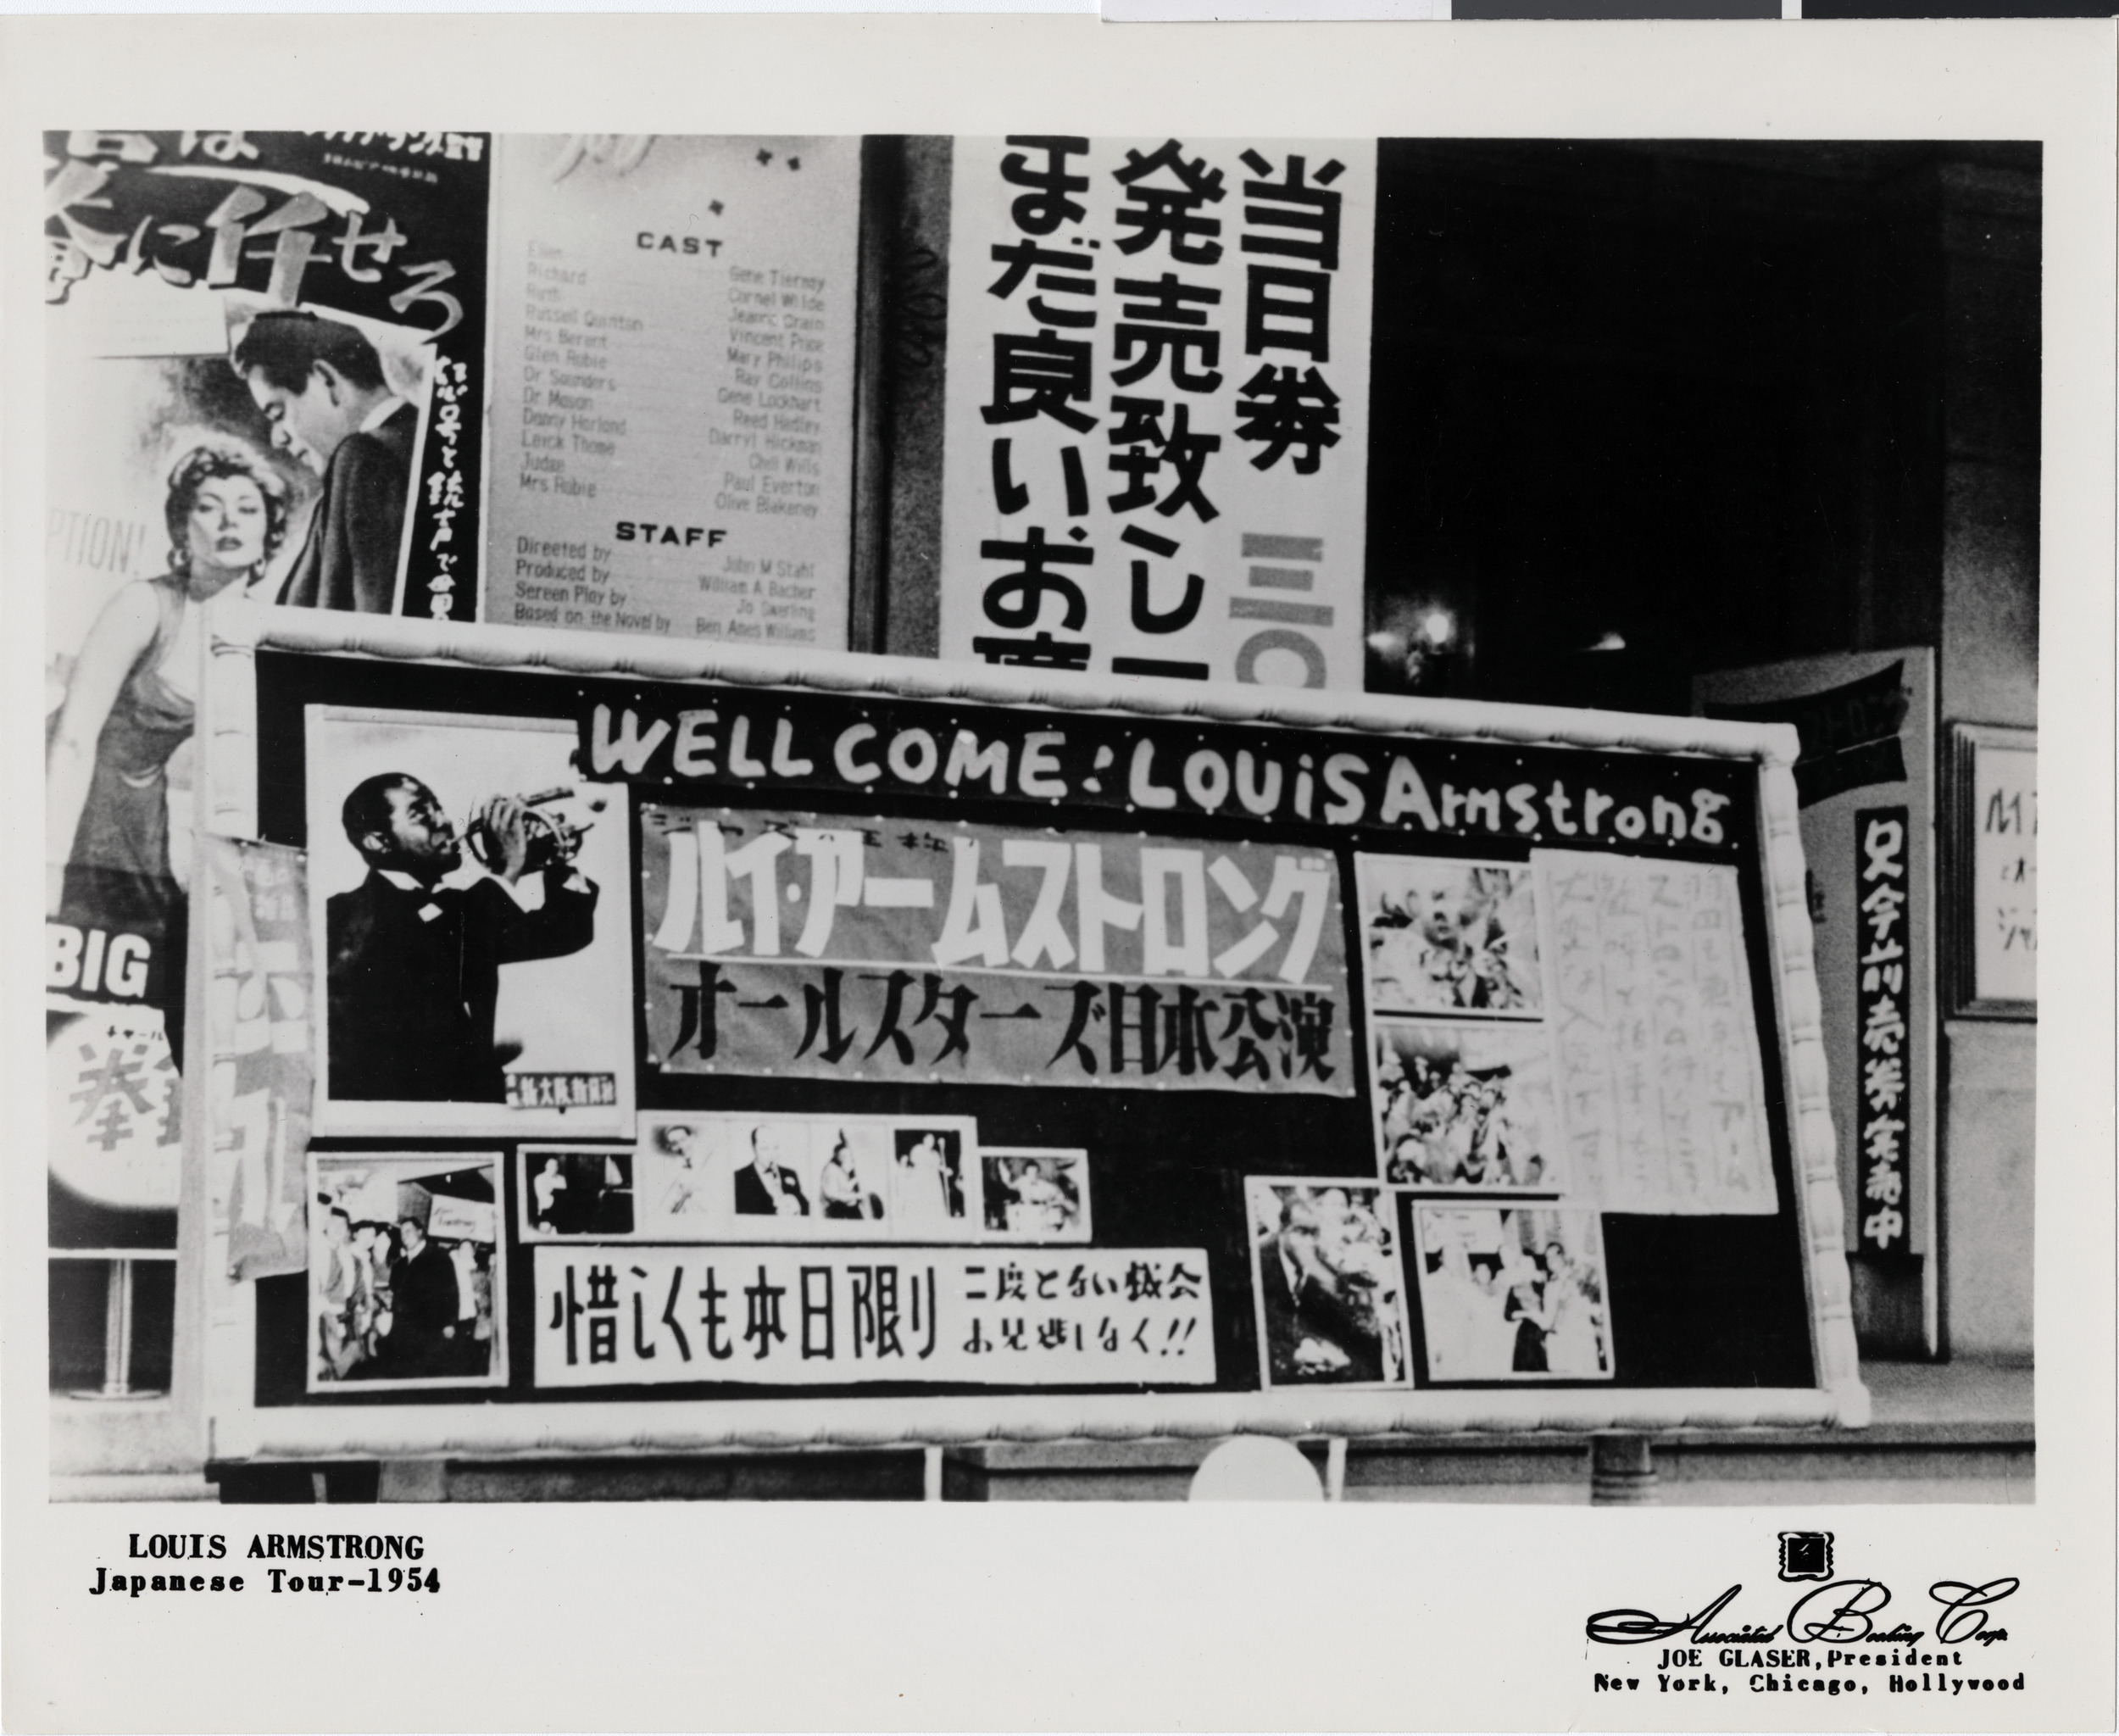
x=407 y=1287
x=1330 y=1286
x=468 y=893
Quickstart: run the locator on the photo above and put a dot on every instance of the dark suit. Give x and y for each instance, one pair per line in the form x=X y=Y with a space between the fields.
x=424 y=1303
x=350 y=560
x=1311 y=1312
x=754 y=1199
x=412 y=997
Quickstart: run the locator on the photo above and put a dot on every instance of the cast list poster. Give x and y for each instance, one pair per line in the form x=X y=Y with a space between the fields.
x=1430 y=1614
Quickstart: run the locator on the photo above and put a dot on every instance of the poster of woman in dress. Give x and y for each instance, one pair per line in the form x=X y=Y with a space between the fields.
x=1449 y=937
x=1513 y=1293
x=1466 y=1105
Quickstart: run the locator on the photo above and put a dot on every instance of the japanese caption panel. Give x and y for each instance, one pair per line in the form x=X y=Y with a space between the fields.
x=895 y=949
x=1157 y=406
x=811 y=1316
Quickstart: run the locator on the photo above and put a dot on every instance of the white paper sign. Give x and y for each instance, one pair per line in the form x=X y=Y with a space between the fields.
x=673 y=386
x=1157 y=406
x=2005 y=872
x=816 y=1316
x=1657 y=1049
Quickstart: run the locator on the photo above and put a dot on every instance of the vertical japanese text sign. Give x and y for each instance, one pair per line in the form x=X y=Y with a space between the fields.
x=1158 y=407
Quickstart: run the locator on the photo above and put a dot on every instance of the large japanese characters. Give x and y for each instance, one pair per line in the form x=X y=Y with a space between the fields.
x=1157 y=406
x=786 y=943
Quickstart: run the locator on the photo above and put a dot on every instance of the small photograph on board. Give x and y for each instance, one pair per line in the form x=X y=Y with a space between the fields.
x=674 y=1165
x=576 y=1191
x=1462 y=1105
x=1036 y=1196
x=1513 y=1292
x=1329 y=1283
x=469 y=895
x=801 y=1178
x=406 y=1281
x=1446 y=936
x=934 y=1189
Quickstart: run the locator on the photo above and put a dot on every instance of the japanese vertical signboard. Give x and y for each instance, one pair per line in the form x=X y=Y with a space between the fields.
x=1884 y=1095
x=1157 y=406
x=673 y=401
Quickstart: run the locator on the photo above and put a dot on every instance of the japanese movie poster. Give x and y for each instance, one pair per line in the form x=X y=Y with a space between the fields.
x=265 y=376
x=407 y=1286
x=470 y=894
x=673 y=390
x=1157 y=406
x=1512 y=1293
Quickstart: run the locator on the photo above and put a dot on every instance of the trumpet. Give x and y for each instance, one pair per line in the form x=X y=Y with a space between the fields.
x=554 y=837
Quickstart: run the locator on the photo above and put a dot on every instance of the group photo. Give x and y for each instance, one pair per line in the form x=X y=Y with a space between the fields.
x=1465 y=1105
x=1512 y=1294
x=1449 y=937
x=1037 y=1196
x=405 y=1281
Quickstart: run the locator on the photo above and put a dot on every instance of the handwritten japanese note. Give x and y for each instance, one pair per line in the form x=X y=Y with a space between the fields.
x=783 y=1316
x=1655 y=1046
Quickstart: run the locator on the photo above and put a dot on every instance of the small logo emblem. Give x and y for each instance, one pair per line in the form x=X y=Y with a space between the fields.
x=1806 y=1555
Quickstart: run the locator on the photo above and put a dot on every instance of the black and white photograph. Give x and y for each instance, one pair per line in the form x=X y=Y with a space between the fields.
x=407 y=1287
x=806 y=1177
x=1037 y=1196
x=1190 y=801
x=1329 y=1284
x=1450 y=937
x=571 y=1191
x=1513 y=1292
x=469 y=896
x=1465 y=1105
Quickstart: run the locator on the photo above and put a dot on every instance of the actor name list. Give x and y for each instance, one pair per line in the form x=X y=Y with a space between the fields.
x=674 y=441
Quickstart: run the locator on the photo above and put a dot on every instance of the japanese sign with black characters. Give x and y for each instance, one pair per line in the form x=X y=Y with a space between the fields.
x=1157 y=406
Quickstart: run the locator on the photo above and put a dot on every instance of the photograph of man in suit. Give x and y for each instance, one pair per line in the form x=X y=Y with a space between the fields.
x=414 y=966
x=423 y=1307
x=1316 y=1331
x=320 y=384
x=765 y=1186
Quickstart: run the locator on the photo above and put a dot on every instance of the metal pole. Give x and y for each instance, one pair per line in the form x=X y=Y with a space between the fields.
x=118 y=1332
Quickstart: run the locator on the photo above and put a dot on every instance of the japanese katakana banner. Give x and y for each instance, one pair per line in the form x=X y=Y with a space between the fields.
x=1157 y=436
x=811 y=1316
x=259 y=1000
x=783 y=943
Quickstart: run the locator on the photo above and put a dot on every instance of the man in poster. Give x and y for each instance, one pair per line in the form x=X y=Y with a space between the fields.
x=320 y=384
x=1315 y=1332
x=424 y=1306
x=413 y=971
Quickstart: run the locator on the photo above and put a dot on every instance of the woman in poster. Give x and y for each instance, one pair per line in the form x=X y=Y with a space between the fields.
x=129 y=706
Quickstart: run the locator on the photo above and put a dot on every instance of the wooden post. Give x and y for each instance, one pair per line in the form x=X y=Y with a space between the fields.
x=1621 y=1470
